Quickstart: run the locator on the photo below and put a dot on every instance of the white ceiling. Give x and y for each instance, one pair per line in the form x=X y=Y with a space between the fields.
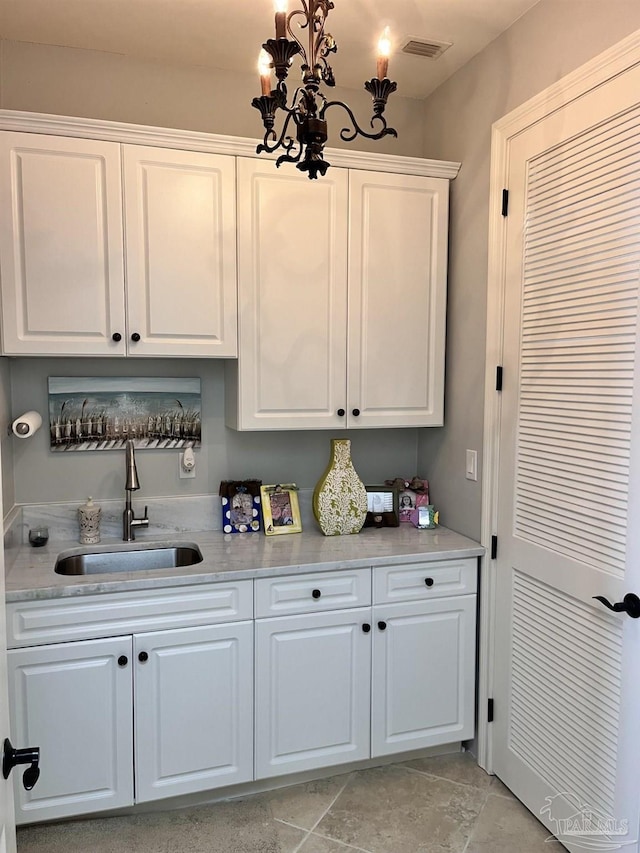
x=227 y=34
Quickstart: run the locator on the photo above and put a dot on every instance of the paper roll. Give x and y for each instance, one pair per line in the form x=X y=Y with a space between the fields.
x=27 y=425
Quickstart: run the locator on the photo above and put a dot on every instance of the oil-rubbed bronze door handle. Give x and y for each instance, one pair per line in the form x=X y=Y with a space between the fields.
x=30 y=756
x=630 y=604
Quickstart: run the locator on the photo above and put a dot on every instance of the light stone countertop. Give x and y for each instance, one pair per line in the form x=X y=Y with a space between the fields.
x=31 y=575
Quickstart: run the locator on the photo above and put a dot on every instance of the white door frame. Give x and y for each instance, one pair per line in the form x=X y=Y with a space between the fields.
x=606 y=65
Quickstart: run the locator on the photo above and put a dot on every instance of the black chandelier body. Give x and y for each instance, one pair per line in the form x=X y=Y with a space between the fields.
x=304 y=129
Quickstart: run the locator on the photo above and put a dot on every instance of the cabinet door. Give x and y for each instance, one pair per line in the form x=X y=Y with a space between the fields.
x=292 y=277
x=180 y=238
x=73 y=700
x=423 y=689
x=312 y=691
x=61 y=260
x=194 y=709
x=397 y=299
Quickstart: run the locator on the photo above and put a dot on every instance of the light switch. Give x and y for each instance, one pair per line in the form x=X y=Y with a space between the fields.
x=472 y=465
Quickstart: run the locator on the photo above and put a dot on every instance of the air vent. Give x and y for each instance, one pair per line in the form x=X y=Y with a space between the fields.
x=427 y=49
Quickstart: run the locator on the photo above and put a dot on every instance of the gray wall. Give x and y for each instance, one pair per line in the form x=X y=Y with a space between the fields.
x=552 y=39
x=300 y=457
x=6 y=441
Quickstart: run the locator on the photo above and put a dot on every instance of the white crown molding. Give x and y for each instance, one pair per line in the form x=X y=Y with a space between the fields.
x=162 y=137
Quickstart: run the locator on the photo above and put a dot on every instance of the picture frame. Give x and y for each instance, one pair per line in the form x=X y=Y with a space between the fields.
x=382 y=507
x=89 y=413
x=280 y=509
x=409 y=503
x=241 y=506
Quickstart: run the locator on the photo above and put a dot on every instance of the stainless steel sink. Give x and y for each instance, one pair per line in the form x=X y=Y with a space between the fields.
x=138 y=559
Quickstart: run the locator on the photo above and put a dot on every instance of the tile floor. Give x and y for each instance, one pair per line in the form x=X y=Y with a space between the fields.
x=445 y=804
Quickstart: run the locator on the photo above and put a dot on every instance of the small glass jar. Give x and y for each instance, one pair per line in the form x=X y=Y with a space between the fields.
x=38 y=536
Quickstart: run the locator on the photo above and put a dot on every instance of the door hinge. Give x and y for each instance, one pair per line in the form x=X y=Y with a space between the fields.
x=490 y=710
x=494 y=547
x=499 y=378
x=505 y=202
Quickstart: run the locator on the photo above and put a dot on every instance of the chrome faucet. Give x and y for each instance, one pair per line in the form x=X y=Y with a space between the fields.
x=129 y=520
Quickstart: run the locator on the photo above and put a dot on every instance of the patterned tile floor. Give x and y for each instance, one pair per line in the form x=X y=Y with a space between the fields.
x=445 y=804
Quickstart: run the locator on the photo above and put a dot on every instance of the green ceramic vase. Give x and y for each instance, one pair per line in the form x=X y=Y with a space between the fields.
x=340 y=498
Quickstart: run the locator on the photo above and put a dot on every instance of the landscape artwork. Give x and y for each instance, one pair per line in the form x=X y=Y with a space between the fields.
x=103 y=412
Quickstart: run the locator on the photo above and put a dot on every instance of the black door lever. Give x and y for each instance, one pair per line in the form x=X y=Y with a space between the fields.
x=630 y=604
x=30 y=756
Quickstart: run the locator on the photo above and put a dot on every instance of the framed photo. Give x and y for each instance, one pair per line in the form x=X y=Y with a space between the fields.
x=240 y=502
x=280 y=509
x=382 y=507
x=407 y=504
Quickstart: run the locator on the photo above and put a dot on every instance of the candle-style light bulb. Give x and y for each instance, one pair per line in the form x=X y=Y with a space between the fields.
x=384 y=52
x=264 y=69
x=281 y=18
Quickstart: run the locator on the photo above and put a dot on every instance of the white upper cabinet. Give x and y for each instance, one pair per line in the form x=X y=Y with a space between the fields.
x=61 y=260
x=292 y=299
x=397 y=299
x=180 y=241
x=331 y=293
x=342 y=300
x=63 y=249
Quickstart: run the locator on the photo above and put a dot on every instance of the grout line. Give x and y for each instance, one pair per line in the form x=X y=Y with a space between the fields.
x=310 y=831
x=475 y=823
x=332 y=803
x=299 y=846
x=508 y=796
x=341 y=843
x=445 y=779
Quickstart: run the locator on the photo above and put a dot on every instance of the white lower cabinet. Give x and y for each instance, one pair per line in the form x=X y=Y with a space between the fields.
x=74 y=701
x=193 y=709
x=187 y=694
x=347 y=684
x=312 y=690
x=343 y=665
x=423 y=675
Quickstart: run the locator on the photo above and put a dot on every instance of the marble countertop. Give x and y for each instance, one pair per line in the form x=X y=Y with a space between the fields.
x=232 y=557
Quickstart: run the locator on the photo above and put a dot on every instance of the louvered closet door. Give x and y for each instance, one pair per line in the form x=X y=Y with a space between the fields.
x=567 y=670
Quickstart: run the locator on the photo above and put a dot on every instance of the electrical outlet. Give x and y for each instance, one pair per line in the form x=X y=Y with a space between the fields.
x=472 y=465
x=185 y=473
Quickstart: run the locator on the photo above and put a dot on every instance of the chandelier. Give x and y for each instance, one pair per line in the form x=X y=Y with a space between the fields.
x=304 y=129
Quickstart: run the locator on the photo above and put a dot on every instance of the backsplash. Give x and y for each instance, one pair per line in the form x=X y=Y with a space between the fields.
x=166 y=515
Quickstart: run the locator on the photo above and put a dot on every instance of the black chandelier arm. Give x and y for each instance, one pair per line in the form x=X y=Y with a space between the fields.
x=287 y=157
x=348 y=134
x=281 y=140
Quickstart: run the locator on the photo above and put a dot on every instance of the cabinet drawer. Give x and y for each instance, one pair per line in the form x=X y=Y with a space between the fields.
x=32 y=623
x=424 y=580
x=311 y=593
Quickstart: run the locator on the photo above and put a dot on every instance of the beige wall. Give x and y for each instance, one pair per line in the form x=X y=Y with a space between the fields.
x=552 y=39
x=92 y=84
